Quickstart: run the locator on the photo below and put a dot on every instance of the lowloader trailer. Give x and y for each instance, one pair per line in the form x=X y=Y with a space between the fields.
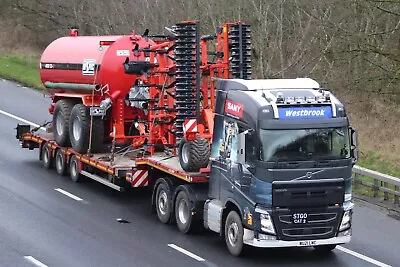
x=261 y=162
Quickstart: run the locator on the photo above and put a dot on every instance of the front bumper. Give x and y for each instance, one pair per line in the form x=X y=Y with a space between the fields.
x=249 y=239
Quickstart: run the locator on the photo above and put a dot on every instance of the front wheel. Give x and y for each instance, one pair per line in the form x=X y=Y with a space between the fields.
x=234 y=233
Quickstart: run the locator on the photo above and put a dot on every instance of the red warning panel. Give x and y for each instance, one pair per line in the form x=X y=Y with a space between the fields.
x=233 y=108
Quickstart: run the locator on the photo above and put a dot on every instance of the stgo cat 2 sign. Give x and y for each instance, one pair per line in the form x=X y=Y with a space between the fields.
x=296 y=113
x=233 y=109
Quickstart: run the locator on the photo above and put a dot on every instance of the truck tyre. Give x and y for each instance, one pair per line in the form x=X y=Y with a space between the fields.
x=163 y=203
x=234 y=233
x=74 y=169
x=324 y=249
x=61 y=118
x=183 y=213
x=46 y=156
x=194 y=155
x=79 y=130
x=60 y=162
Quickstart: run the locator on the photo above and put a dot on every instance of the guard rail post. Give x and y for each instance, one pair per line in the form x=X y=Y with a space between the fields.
x=386 y=194
x=376 y=187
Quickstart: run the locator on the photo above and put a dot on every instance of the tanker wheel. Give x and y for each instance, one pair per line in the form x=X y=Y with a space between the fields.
x=61 y=119
x=60 y=162
x=194 y=155
x=79 y=130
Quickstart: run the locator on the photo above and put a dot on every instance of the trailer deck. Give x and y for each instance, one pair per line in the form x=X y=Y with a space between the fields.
x=124 y=160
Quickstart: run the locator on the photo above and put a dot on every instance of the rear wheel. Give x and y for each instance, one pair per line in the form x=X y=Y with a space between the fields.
x=60 y=162
x=74 y=169
x=234 y=233
x=194 y=155
x=46 y=156
x=183 y=213
x=163 y=203
x=61 y=117
x=324 y=248
x=79 y=130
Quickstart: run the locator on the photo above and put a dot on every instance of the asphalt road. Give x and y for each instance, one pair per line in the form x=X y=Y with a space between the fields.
x=39 y=225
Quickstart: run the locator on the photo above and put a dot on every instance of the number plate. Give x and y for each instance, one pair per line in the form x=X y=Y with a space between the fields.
x=299 y=218
x=307 y=243
x=97 y=111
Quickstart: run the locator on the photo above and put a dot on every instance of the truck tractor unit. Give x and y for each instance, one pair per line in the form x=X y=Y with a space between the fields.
x=262 y=162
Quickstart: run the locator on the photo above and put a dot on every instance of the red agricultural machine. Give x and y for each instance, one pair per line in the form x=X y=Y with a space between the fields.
x=149 y=91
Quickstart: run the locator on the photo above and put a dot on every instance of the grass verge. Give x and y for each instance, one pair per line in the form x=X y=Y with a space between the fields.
x=20 y=68
x=375 y=160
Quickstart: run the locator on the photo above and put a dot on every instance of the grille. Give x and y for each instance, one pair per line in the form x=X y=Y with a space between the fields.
x=308 y=232
x=312 y=218
x=321 y=223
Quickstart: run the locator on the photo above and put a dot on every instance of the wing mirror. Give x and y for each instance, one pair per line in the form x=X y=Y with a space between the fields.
x=353 y=144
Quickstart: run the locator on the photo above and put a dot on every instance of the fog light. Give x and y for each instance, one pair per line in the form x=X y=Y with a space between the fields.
x=346 y=220
x=345 y=233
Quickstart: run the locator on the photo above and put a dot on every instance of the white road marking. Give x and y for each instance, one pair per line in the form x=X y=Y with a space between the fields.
x=363 y=257
x=21 y=119
x=188 y=253
x=68 y=194
x=35 y=261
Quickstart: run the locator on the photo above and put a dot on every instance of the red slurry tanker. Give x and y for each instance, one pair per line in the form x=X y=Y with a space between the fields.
x=265 y=163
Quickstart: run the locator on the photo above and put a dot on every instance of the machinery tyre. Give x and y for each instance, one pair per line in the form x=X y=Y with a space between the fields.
x=183 y=213
x=74 y=169
x=194 y=155
x=234 y=233
x=163 y=203
x=46 y=156
x=60 y=162
x=61 y=119
x=324 y=249
x=79 y=130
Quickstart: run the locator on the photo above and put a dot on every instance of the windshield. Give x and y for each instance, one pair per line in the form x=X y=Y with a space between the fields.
x=304 y=144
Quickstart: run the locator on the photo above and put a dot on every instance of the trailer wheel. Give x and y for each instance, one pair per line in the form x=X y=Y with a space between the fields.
x=183 y=214
x=324 y=249
x=60 y=162
x=163 y=203
x=46 y=156
x=79 y=130
x=74 y=169
x=234 y=233
x=194 y=155
x=61 y=118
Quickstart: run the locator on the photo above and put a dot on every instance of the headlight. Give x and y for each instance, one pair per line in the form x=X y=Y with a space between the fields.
x=266 y=221
x=346 y=219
